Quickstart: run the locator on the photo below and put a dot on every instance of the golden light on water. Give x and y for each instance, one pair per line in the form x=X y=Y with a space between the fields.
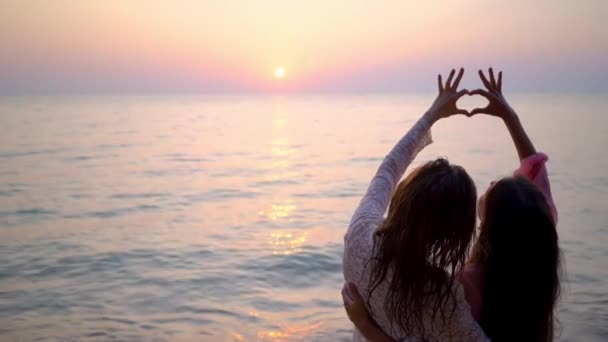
x=289 y=333
x=278 y=211
x=238 y=337
x=281 y=147
x=284 y=242
x=274 y=335
x=287 y=243
x=281 y=211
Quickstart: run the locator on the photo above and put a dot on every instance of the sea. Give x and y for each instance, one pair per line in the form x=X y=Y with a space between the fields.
x=221 y=217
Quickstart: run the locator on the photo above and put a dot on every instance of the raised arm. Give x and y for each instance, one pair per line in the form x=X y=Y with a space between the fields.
x=532 y=163
x=375 y=201
x=499 y=107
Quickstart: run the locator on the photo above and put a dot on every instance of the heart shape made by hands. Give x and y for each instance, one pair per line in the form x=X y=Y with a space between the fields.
x=472 y=101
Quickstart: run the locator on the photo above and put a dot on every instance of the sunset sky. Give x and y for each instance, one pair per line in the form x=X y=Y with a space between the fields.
x=238 y=46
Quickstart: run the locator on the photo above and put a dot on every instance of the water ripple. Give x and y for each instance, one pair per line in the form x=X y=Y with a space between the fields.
x=221 y=194
x=222 y=218
x=140 y=195
x=28 y=212
x=305 y=269
x=115 y=212
x=31 y=153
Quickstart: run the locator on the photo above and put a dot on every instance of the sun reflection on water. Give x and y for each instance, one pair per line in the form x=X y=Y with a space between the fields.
x=281 y=147
x=279 y=121
x=289 y=333
x=237 y=337
x=278 y=211
x=286 y=243
x=282 y=242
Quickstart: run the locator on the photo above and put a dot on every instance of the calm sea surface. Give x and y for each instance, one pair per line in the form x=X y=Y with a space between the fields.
x=221 y=218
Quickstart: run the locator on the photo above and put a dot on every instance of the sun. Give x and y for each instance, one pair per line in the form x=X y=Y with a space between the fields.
x=279 y=72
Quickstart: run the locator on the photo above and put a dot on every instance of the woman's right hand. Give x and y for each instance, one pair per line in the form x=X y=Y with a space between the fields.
x=358 y=314
x=353 y=304
x=445 y=103
x=497 y=104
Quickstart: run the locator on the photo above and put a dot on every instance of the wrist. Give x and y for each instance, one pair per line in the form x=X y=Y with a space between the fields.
x=510 y=117
x=431 y=116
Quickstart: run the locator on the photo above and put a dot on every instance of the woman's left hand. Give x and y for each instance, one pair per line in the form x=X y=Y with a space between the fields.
x=497 y=104
x=445 y=103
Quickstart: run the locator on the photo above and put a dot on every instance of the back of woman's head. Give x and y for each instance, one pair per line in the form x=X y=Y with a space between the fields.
x=518 y=248
x=430 y=223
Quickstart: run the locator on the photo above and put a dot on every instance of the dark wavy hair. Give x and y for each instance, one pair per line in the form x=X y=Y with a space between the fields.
x=518 y=250
x=430 y=223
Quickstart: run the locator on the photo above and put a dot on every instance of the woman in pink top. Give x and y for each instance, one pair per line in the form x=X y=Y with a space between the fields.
x=512 y=279
x=512 y=282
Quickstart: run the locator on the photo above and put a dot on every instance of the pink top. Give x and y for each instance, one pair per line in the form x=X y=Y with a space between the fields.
x=471 y=277
x=534 y=169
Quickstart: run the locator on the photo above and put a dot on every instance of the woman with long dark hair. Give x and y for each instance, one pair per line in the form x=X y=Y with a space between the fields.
x=406 y=263
x=512 y=279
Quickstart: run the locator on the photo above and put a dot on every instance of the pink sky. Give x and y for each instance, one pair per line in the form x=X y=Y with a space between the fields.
x=200 y=46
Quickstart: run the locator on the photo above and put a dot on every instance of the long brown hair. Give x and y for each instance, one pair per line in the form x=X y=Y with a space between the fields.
x=518 y=250
x=430 y=222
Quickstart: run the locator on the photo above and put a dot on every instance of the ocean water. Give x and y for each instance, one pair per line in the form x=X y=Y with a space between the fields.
x=221 y=218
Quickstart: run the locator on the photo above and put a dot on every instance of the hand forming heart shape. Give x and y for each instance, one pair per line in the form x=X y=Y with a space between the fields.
x=445 y=103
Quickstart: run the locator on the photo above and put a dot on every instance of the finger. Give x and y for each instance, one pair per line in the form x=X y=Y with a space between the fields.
x=354 y=293
x=481 y=92
x=492 y=79
x=447 y=83
x=462 y=111
x=462 y=93
x=439 y=84
x=458 y=78
x=479 y=111
x=484 y=80
x=500 y=81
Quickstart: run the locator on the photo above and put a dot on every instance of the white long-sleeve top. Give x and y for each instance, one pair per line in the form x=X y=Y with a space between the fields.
x=359 y=242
